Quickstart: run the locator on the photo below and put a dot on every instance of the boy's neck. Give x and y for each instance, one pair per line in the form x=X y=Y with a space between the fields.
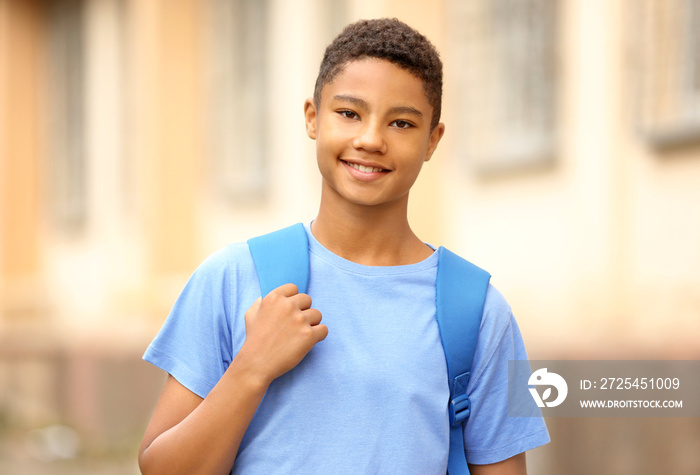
x=375 y=236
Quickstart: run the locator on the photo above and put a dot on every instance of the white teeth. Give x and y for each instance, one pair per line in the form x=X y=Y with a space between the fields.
x=363 y=168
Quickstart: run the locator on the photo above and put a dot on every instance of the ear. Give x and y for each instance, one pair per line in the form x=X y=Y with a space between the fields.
x=434 y=140
x=310 y=116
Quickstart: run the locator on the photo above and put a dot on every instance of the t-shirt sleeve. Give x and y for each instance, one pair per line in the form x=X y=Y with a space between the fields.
x=194 y=343
x=491 y=435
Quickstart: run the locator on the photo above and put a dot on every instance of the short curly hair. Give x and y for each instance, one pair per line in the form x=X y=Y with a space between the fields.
x=391 y=40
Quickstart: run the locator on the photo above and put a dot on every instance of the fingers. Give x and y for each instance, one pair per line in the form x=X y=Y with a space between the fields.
x=313 y=316
x=286 y=290
x=302 y=302
x=320 y=331
x=291 y=291
x=288 y=302
x=281 y=329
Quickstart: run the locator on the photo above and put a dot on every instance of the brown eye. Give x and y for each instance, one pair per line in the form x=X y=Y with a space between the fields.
x=348 y=114
x=402 y=124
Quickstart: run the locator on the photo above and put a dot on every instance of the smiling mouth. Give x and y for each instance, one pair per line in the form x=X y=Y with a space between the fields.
x=363 y=168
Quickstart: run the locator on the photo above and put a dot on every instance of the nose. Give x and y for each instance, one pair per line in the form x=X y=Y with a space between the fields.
x=370 y=138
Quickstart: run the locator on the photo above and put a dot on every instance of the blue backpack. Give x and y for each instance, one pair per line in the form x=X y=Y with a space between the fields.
x=282 y=257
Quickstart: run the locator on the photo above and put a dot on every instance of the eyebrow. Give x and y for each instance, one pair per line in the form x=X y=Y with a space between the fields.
x=365 y=105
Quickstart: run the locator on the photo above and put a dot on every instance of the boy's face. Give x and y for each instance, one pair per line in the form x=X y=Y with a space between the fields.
x=372 y=132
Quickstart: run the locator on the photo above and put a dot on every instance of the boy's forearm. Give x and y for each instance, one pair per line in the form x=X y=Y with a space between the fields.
x=516 y=465
x=207 y=440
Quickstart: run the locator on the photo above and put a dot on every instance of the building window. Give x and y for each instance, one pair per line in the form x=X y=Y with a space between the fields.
x=67 y=169
x=665 y=38
x=506 y=82
x=238 y=97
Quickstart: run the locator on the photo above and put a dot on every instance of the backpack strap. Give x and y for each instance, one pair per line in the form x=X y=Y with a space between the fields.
x=282 y=257
x=460 y=293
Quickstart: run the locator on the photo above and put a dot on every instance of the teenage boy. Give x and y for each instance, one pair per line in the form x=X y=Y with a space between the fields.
x=261 y=386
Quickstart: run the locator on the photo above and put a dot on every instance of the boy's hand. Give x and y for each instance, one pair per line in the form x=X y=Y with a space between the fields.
x=280 y=330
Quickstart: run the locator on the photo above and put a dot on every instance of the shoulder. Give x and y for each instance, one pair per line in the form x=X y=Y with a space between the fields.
x=499 y=335
x=497 y=318
x=497 y=311
x=223 y=277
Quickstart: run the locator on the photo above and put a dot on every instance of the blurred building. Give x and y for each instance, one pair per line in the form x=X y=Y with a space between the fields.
x=138 y=136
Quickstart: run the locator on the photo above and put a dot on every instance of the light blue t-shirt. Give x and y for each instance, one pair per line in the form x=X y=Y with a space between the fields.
x=370 y=398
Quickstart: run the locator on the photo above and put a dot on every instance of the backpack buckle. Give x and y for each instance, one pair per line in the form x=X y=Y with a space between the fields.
x=459 y=410
x=460 y=406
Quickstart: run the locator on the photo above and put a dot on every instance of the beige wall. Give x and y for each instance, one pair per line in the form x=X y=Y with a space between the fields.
x=594 y=254
x=604 y=239
x=549 y=236
x=601 y=243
